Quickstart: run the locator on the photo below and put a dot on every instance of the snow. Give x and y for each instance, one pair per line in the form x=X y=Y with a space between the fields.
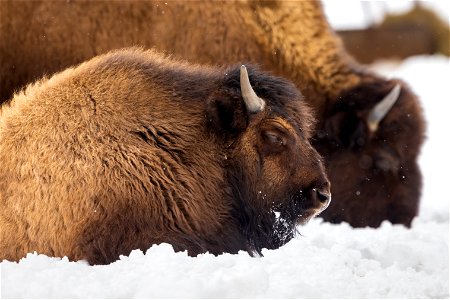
x=325 y=261
x=362 y=14
x=329 y=261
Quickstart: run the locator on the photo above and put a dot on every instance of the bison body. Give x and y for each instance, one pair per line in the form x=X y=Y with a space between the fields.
x=132 y=149
x=290 y=38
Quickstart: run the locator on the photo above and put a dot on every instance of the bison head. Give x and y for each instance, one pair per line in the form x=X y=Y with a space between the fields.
x=370 y=140
x=276 y=177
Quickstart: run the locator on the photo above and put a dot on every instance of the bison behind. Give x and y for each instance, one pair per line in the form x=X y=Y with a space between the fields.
x=132 y=149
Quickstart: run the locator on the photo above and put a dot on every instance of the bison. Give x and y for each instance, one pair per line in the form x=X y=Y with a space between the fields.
x=133 y=148
x=371 y=154
x=375 y=179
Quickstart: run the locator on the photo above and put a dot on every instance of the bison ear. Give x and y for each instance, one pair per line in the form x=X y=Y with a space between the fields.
x=229 y=108
x=226 y=113
x=345 y=129
x=354 y=120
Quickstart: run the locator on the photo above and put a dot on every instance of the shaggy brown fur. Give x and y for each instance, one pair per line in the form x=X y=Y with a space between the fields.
x=376 y=175
x=132 y=149
x=291 y=38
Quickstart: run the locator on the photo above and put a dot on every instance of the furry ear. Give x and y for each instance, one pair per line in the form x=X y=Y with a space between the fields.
x=333 y=128
x=226 y=113
x=347 y=121
x=346 y=129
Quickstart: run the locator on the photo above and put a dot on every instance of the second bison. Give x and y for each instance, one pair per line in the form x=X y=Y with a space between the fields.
x=132 y=149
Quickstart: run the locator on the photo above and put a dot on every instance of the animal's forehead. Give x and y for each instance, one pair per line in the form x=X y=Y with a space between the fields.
x=290 y=124
x=283 y=122
x=295 y=115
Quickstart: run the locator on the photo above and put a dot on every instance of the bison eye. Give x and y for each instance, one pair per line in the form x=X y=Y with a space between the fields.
x=273 y=141
x=274 y=138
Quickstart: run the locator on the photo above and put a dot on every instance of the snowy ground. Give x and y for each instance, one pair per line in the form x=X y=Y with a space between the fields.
x=327 y=261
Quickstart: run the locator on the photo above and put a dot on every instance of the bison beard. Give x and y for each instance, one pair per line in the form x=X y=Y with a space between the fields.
x=266 y=226
x=265 y=223
x=132 y=149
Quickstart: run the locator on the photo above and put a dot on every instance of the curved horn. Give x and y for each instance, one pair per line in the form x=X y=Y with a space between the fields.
x=382 y=108
x=253 y=103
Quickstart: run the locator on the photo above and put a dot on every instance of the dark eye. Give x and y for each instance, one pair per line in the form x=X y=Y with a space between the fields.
x=273 y=138
x=273 y=142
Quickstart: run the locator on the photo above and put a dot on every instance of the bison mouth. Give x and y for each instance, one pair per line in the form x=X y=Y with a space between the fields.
x=283 y=218
x=270 y=221
x=298 y=210
x=303 y=206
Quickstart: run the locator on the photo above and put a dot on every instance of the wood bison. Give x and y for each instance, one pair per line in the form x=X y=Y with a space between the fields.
x=132 y=149
x=374 y=169
x=373 y=164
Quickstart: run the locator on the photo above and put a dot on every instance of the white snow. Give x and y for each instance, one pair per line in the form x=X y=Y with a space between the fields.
x=361 y=14
x=326 y=261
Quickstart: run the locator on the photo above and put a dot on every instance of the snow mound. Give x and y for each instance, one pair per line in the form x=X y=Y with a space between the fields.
x=328 y=261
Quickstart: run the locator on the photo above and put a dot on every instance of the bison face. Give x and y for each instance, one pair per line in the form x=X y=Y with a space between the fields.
x=276 y=176
x=290 y=181
x=372 y=165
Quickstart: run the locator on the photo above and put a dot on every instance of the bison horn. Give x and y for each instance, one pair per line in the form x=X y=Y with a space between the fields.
x=253 y=103
x=382 y=108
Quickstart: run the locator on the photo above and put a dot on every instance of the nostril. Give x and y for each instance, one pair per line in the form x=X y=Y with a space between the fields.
x=322 y=191
x=323 y=197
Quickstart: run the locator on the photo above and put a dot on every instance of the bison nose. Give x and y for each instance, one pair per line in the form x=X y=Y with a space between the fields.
x=322 y=195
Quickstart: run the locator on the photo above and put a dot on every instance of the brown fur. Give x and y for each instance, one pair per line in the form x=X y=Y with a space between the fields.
x=132 y=149
x=291 y=38
x=288 y=37
x=376 y=174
